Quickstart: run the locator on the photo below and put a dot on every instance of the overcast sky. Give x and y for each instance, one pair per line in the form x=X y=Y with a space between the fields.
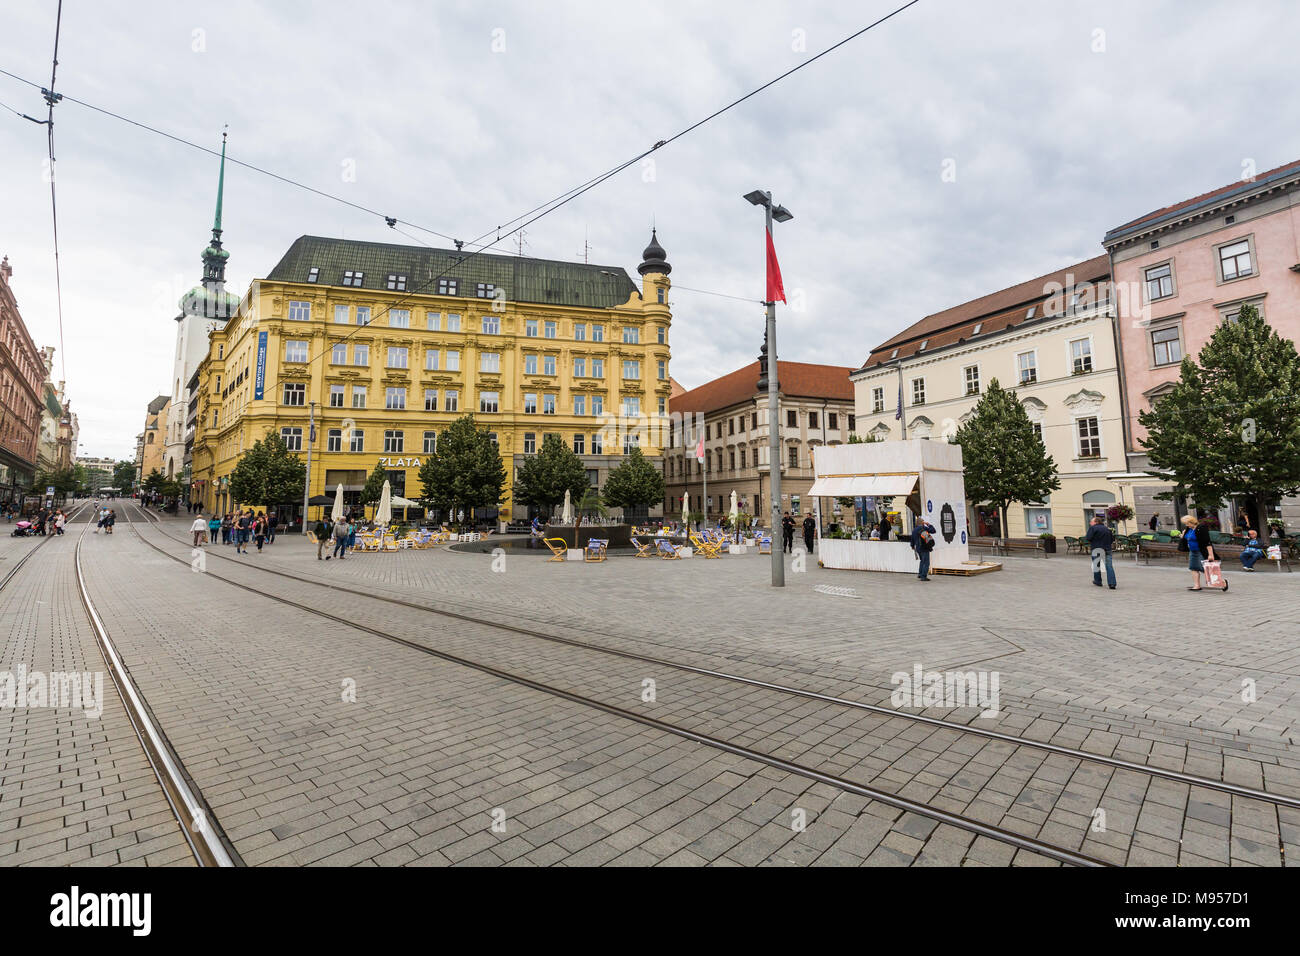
x=1055 y=120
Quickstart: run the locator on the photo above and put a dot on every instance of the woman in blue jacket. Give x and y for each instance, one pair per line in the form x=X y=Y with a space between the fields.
x=1196 y=541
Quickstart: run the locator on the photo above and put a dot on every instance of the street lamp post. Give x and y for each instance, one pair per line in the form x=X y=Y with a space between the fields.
x=306 y=485
x=763 y=198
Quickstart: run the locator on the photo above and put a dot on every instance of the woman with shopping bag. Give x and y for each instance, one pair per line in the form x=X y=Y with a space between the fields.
x=1200 y=556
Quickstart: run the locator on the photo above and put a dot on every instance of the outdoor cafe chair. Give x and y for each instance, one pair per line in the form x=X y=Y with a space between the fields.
x=559 y=548
x=667 y=550
x=708 y=548
x=595 y=550
x=644 y=549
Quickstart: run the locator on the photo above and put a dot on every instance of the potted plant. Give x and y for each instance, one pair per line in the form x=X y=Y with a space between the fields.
x=1119 y=513
x=1049 y=542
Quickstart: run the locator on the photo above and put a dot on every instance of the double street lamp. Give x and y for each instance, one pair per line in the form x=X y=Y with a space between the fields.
x=763 y=198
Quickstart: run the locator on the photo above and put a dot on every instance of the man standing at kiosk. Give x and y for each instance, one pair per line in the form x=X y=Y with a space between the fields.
x=923 y=543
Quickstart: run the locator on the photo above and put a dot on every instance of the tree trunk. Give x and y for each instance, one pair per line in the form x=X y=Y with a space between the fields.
x=1260 y=500
x=1002 y=528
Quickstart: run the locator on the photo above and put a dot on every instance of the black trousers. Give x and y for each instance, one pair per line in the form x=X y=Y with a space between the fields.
x=808 y=543
x=788 y=541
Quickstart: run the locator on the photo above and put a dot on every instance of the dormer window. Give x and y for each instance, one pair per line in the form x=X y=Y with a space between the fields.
x=1030 y=313
x=397 y=283
x=353 y=279
x=924 y=343
x=486 y=290
x=980 y=325
x=894 y=354
x=446 y=287
x=313 y=274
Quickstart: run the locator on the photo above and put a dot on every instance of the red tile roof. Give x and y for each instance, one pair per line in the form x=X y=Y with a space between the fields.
x=797 y=379
x=996 y=311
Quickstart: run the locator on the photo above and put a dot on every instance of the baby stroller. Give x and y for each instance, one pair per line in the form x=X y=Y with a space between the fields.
x=22 y=529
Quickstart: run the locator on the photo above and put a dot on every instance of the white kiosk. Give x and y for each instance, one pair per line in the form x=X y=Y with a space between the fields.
x=925 y=474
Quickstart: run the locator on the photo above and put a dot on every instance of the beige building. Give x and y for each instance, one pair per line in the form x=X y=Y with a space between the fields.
x=155 y=437
x=816 y=408
x=1051 y=339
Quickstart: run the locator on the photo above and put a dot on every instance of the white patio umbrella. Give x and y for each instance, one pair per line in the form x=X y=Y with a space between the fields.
x=336 y=513
x=384 y=513
x=686 y=509
x=735 y=513
x=566 y=516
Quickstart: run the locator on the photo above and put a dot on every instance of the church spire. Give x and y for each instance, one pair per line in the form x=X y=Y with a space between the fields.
x=214 y=257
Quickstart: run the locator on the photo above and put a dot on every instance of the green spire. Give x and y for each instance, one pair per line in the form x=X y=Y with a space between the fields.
x=221 y=184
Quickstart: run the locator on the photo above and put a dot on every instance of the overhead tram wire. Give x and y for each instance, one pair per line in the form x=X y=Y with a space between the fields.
x=52 y=98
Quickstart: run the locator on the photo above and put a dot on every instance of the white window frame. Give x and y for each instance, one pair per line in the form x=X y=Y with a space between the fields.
x=394 y=441
x=359 y=392
x=299 y=310
x=491 y=324
x=912 y=391
x=1033 y=366
x=1069 y=354
x=336 y=391
x=292 y=437
x=530 y=329
x=530 y=363
x=453 y=322
x=579 y=366
x=401 y=354
x=342 y=314
x=453 y=360
x=1078 y=438
x=489 y=362
x=549 y=364
x=293 y=388
x=550 y=328
x=878 y=400
x=431 y=359
x=433 y=321
x=430 y=442
x=1172 y=277
x=360 y=352
x=339 y=353
x=334 y=440
x=1220 y=277
x=965 y=379
x=294 y=347
x=483 y=401
x=530 y=403
x=1151 y=344
x=395 y=398
x=399 y=318
x=430 y=399
x=451 y=400
x=363 y=315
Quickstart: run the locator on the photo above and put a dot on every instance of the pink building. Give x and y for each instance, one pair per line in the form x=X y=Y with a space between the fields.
x=1180 y=271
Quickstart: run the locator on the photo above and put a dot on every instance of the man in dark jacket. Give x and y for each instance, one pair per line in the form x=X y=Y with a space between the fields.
x=787 y=533
x=322 y=532
x=1101 y=542
x=884 y=527
x=922 y=541
x=809 y=530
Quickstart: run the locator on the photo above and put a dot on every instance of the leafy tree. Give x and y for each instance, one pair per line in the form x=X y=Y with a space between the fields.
x=634 y=484
x=81 y=475
x=589 y=504
x=155 y=480
x=124 y=475
x=543 y=478
x=374 y=489
x=1004 y=459
x=266 y=474
x=1231 y=424
x=465 y=471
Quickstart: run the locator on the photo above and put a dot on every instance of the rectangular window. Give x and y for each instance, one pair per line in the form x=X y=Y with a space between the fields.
x=548 y=365
x=489 y=402
x=918 y=391
x=663 y=370
x=794 y=457
x=489 y=361
x=597 y=445
x=834 y=423
x=742 y=459
x=530 y=364
x=1160 y=282
x=446 y=287
x=395 y=399
x=853 y=423
x=663 y=298
x=579 y=367
x=530 y=443
x=548 y=404
x=631 y=368
x=492 y=437
x=396 y=283
x=580 y=331
x=430 y=442
x=339 y=354
x=580 y=404
x=314 y=274
x=361 y=355
x=299 y=311
x=812 y=420
x=1089 y=438
x=292 y=438
x=1081 y=355
x=453 y=322
x=295 y=393
x=295 y=350
x=663 y=405
x=1038 y=429
x=485 y=290
x=354 y=279
x=971 y=374
x=363 y=315
x=491 y=325
x=358 y=396
x=662 y=332
x=433 y=320
x=453 y=360
x=394 y=441
x=530 y=403
x=396 y=357
x=336 y=396
x=357 y=440
x=631 y=336
x=597 y=405
x=530 y=328
x=631 y=406
x=341 y=314
x=877 y=400
x=597 y=332
x=452 y=400
x=430 y=399
x=579 y=444
x=598 y=368
x=731 y=426
x=431 y=359
x=1165 y=347
x=1234 y=260
x=399 y=318
x=791 y=419
x=731 y=461
x=334 y=439
x=1027 y=367
x=550 y=329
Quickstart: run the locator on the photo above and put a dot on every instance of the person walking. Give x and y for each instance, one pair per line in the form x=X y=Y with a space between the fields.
x=787 y=534
x=1253 y=551
x=243 y=524
x=199 y=529
x=809 y=530
x=884 y=527
x=227 y=522
x=1154 y=523
x=110 y=521
x=341 y=532
x=323 y=533
x=214 y=527
x=1101 y=543
x=922 y=541
x=259 y=530
x=1196 y=542
x=272 y=519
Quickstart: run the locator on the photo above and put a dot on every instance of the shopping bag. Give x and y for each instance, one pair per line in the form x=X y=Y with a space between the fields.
x=1214 y=575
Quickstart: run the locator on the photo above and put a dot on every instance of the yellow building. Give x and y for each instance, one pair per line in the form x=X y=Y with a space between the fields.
x=386 y=345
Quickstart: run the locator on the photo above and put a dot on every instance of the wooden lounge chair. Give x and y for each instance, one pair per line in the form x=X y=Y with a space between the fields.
x=595 y=550
x=667 y=550
x=644 y=549
x=311 y=536
x=706 y=548
x=388 y=542
x=559 y=548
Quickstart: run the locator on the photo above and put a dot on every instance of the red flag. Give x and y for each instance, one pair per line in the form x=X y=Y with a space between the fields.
x=699 y=449
x=775 y=290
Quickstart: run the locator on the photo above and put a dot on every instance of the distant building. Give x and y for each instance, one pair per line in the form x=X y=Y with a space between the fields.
x=22 y=374
x=815 y=408
x=1181 y=272
x=153 y=445
x=99 y=473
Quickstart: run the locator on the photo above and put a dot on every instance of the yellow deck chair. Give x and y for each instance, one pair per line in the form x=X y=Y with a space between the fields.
x=706 y=548
x=559 y=548
x=644 y=549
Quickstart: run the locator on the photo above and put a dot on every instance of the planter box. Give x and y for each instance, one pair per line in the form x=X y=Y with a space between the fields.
x=749 y=542
x=736 y=549
x=685 y=552
x=574 y=554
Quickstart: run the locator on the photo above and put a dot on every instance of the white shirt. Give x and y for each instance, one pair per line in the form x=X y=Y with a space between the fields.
x=200 y=524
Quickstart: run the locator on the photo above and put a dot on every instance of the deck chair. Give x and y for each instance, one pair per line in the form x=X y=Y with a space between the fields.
x=559 y=548
x=388 y=542
x=765 y=544
x=644 y=549
x=707 y=548
x=595 y=550
x=311 y=536
x=666 y=549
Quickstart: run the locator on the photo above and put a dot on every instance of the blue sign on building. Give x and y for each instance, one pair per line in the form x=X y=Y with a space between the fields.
x=260 y=378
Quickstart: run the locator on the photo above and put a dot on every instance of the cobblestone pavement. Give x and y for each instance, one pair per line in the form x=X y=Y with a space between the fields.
x=249 y=692
x=74 y=789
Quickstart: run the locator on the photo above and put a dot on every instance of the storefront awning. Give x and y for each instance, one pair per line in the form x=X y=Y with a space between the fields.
x=862 y=486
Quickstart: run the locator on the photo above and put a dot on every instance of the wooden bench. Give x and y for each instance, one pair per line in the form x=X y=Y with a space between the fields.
x=1005 y=546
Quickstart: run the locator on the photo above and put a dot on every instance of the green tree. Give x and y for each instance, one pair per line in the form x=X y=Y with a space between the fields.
x=856 y=439
x=465 y=471
x=543 y=478
x=1231 y=424
x=124 y=475
x=374 y=489
x=266 y=474
x=1004 y=459
x=634 y=484
x=154 y=482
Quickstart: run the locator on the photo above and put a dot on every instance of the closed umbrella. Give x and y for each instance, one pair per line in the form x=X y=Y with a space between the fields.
x=384 y=513
x=566 y=516
x=336 y=513
x=686 y=509
x=735 y=514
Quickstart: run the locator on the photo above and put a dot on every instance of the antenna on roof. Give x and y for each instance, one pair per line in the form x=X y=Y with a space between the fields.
x=521 y=241
x=586 y=247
